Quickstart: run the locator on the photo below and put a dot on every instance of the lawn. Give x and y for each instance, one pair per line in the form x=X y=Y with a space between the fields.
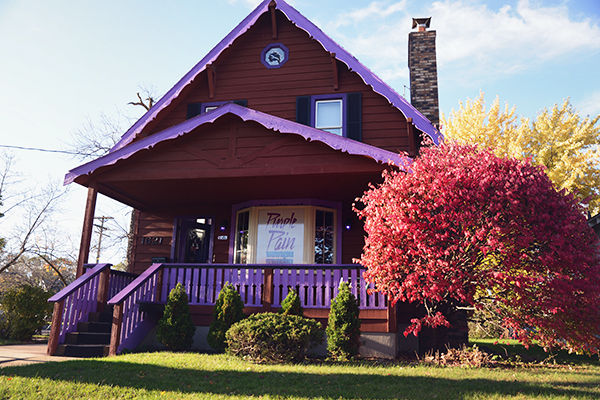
x=182 y=376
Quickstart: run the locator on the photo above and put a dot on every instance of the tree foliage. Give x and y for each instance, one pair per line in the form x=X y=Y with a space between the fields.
x=24 y=309
x=176 y=329
x=465 y=227
x=559 y=139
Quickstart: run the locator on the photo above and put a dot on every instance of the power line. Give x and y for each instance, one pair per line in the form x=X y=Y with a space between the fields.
x=36 y=149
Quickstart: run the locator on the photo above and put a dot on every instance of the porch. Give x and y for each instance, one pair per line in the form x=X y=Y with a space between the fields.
x=262 y=287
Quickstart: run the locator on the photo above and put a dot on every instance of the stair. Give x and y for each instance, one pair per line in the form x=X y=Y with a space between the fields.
x=92 y=338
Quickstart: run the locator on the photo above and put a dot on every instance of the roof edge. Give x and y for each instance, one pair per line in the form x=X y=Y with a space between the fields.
x=271 y=122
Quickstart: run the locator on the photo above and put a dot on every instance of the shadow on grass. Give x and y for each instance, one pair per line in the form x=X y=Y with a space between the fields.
x=299 y=383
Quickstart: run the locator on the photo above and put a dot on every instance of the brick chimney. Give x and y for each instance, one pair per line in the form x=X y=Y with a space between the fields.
x=422 y=65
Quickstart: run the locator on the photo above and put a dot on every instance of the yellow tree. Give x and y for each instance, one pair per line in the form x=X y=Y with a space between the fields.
x=565 y=143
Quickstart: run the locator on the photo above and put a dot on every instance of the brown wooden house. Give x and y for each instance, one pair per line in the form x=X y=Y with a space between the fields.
x=245 y=172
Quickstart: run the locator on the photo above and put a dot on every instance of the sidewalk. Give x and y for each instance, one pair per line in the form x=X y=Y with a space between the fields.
x=23 y=354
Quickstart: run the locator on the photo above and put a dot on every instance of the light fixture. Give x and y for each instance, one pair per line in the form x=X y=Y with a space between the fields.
x=223 y=226
x=348 y=225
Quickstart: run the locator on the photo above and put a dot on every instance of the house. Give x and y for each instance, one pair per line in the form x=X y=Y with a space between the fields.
x=246 y=172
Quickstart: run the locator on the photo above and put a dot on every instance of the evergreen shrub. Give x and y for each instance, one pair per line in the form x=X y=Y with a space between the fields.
x=23 y=311
x=291 y=305
x=229 y=309
x=176 y=329
x=274 y=338
x=343 y=326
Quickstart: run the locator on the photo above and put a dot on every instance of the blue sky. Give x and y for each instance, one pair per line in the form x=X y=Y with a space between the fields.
x=63 y=62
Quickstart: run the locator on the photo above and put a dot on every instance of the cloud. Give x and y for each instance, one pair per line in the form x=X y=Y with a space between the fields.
x=376 y=9
x=589 y=106
x=509 y=38
x=471 y=37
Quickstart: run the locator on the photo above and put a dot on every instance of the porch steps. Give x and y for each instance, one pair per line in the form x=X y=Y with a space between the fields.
x=92 y=338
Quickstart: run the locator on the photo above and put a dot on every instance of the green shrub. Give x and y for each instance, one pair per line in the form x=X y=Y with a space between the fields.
x=229 y=309
x=343 y=327
x=176 y=329
x=291 y=305
x=274 y=338
x=24 y=310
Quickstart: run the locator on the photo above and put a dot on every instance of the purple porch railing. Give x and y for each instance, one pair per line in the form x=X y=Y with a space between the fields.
x=257 y=284
x=86 y=294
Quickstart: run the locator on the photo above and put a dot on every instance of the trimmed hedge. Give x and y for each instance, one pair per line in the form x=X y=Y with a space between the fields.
x=176 y=329
x=274 y=338
x=343 y=326
x=291 y=305
x=229 y=309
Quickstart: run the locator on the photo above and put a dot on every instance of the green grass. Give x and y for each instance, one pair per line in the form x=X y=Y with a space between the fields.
x=200 y=376
x=514 y=350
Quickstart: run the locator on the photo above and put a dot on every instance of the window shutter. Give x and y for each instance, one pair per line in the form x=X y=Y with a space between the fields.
x=354 y=116
x=193 y=109
x=303 y=110
x=243 y=103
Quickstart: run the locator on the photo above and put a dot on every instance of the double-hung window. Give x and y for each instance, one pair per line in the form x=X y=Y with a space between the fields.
x=338 y=113
x=329 y=115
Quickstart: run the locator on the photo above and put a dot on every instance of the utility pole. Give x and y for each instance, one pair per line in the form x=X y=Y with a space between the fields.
x=101 y=230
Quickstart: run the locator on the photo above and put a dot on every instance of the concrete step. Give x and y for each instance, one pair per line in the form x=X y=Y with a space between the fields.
x=82 y=350
x=87 y=338
x=97 y=327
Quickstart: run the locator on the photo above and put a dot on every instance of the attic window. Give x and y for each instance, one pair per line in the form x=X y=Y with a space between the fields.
x=195 y=109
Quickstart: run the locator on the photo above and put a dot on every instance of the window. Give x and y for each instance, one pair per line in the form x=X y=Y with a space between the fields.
x=339 y=114
x=194 y=109
x=328 y=116
x=286 y=235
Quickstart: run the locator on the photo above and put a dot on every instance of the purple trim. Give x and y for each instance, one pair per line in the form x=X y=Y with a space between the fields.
x=328 y=44
x=335 y=96
x=288 y=202
x=263 y=53
x=139 y=333
x=79 y=282
x=268 y=121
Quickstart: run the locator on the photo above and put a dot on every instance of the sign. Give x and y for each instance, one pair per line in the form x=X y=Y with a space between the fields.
x=280 y=237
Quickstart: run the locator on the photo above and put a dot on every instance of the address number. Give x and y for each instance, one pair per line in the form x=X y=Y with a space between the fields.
x=152 y=240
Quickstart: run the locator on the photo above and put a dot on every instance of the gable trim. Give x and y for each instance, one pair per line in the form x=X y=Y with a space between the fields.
x=246 y=114
x=380 y=87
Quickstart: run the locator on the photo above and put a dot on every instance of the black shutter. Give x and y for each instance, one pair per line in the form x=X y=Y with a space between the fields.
x=303 y=110
x=354 y=116
x=243 y=103
x=193 y=110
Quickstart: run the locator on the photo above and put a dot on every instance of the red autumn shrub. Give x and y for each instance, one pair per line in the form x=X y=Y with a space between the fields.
x=465 y=227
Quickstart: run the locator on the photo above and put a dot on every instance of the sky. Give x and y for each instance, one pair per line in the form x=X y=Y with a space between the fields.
x=64 y=63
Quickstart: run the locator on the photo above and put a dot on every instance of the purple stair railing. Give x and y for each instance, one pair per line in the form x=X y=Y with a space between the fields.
x=85 y=295
x=257 y=284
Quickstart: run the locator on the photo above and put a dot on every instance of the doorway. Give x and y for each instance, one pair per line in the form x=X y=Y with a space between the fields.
x=194 y=240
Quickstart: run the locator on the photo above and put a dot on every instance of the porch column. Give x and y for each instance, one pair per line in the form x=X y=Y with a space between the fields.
x=86 y=234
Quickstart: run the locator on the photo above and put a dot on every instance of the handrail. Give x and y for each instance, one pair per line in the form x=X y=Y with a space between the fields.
x=268 y=266
x=133 y=286
x=77 y=283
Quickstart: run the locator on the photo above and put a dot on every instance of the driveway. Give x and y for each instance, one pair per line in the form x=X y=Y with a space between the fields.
x=23 y=354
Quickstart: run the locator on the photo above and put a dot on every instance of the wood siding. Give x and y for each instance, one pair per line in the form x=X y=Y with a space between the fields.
x=240 y=75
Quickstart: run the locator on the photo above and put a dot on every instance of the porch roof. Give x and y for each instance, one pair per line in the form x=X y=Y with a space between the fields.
x=328 y=44
x=246 y=114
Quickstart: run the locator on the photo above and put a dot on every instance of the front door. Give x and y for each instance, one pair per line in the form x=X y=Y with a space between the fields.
x=194 y=241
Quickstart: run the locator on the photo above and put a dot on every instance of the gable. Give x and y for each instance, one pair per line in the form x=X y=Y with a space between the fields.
x=230 y=66
x=221 y=156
